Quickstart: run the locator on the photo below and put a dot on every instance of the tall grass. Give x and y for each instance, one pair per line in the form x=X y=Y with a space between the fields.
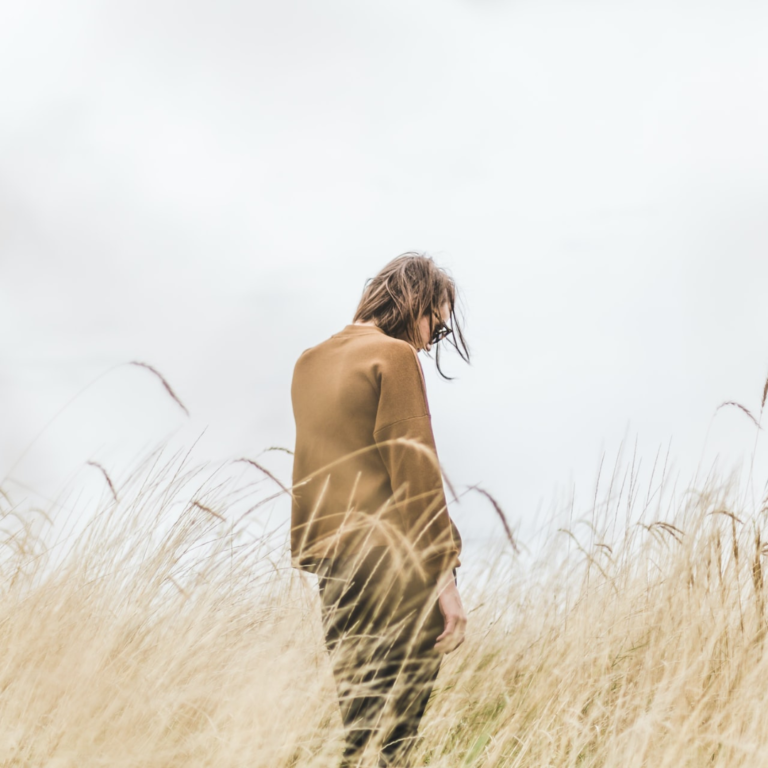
x=171 y=632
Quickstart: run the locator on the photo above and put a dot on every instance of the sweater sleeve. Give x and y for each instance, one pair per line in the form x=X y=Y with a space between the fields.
x=414 y=472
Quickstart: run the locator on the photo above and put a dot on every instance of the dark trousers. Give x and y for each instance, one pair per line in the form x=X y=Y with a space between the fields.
x=380 y=621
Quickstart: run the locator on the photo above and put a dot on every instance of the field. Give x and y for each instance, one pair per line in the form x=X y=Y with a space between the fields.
x=169 y=631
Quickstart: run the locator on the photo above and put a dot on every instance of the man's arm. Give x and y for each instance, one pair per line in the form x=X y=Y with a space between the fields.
x=406 y=444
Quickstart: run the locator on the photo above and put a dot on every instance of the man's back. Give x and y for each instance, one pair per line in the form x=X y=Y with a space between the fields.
x=353 y=395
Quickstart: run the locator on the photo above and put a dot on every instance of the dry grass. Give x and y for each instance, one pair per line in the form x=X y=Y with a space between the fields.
x=165 y=635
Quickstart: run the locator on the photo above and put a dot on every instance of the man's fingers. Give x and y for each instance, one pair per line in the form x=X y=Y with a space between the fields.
x=455 y=619
x=450 y=626
x=449 y=644
x=449 y=639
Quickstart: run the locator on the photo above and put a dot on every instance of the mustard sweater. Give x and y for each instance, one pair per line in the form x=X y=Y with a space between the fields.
x=365 y=469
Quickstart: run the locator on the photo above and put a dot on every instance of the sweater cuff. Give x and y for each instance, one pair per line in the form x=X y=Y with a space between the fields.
x=442 y=563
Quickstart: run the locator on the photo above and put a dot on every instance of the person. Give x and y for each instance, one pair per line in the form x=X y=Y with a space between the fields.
x=369 y=514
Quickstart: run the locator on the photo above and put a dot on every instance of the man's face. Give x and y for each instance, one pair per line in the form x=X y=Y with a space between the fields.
x=424 y=330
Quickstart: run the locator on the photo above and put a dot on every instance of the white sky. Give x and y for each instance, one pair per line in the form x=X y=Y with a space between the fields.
x=206 y=186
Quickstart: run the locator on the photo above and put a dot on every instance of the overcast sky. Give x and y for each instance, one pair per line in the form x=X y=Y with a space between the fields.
x=205 y=187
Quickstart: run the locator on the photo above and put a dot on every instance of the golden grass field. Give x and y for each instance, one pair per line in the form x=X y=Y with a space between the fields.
x=170 y=632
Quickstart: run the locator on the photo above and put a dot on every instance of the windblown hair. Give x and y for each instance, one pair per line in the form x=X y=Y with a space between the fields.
x=405 y=290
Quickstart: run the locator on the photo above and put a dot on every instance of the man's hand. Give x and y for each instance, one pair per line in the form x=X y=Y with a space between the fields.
x=453 y=613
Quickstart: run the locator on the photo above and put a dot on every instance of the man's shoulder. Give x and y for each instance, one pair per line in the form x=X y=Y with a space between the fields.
x=375 y=344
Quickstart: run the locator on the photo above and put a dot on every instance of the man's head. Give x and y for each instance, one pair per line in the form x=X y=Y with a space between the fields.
x=413 y=299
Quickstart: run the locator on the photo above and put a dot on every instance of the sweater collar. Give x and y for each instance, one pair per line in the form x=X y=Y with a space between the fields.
x=353 y=330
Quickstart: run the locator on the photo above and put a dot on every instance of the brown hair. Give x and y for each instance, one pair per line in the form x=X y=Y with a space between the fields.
x=408 y=288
